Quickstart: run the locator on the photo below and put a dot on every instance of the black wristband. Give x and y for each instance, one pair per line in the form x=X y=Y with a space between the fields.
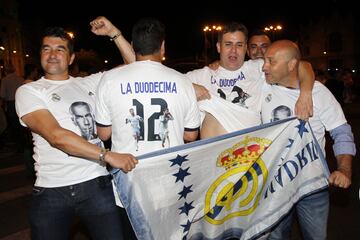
x=115 y=36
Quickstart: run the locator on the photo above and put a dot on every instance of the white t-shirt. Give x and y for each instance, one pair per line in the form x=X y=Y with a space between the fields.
x=242 y=87
x=148 y=88
x=279 y=102
x=55 y=168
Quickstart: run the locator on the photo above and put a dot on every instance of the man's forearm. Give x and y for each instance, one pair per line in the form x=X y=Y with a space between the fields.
x=306 y=77
x=344 y=164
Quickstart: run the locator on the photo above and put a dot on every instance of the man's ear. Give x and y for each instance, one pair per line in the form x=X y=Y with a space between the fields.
x=292 y=64
x=73 y=120
x=72 y=58
x=162 y=49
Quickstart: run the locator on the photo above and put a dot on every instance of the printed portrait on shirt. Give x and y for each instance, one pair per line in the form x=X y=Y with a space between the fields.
x=83 y=118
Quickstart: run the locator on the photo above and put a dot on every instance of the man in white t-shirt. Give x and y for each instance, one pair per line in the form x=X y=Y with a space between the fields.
x=150 y=88
x=281 y=71
x=239 y=82
x=257 y=45
x=71 y=176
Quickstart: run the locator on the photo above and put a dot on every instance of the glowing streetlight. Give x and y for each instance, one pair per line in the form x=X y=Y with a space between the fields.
x=71 y=35
x=273 y=30
x=212 y=29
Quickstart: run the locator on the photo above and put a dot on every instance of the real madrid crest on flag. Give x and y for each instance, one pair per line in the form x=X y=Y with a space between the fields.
x=236 y=198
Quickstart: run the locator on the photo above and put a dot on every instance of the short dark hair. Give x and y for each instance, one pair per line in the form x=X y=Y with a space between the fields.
x=78 y=104
x=232 y=27
x=147 y=36
x=258 y=32
x=60 y=33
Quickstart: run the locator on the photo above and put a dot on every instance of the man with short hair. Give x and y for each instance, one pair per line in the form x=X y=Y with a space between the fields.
x=258 y=42
x=239 y=82
x=71 y=175
x=281 y=71
x=149 y=87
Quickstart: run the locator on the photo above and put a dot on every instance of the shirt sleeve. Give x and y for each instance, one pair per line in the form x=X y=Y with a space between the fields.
x=192 y=119
x=330 y=111
x=102 y=113
x=198 y=76
x=94 y=79
x=28 y=100
x=343 y=140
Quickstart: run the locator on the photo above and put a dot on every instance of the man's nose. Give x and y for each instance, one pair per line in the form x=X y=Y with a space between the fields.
x=87 y=121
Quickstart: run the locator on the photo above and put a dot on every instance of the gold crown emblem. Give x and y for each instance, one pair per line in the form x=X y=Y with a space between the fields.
x=243 y=154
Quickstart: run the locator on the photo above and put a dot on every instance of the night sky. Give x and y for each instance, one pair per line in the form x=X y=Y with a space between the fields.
x=184 y=22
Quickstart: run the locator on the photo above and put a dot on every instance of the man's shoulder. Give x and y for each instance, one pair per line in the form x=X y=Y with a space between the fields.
x=253 y=64
x=203 y=70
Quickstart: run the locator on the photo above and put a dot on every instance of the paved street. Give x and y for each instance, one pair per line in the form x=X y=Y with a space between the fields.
x=15 y=189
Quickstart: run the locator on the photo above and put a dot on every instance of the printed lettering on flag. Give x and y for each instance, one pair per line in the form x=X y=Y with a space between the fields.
x=236 y=185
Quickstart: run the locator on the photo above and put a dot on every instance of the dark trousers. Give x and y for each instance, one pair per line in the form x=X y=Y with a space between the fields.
x=53 y=210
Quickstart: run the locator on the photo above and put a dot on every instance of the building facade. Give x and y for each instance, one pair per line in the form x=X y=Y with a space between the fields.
x=11 y=46
x=331 y=43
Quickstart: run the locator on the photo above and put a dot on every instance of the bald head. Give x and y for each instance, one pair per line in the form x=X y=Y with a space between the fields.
x=281 y=63
x=287 y=49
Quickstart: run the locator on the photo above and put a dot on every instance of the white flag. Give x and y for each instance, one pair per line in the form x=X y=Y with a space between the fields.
x=236 y=185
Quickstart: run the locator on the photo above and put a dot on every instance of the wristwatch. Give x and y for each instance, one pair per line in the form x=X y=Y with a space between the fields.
x=102 y=154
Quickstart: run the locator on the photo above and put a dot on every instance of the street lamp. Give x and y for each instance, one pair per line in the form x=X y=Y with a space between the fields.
x=212 y=29
x=71 y=35
x=273 y=30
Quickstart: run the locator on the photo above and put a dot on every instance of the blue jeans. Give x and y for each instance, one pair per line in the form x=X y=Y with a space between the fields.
x=53 y=210
x=312 y=214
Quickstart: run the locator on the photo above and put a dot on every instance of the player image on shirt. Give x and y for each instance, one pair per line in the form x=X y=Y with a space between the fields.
x=83 y=118
x=134 y=121
x=163 y=127
x=280 y=112
x=242 y=96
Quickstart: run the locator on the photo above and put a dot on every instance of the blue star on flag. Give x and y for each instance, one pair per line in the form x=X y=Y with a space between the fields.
x=186 y=208
x=302 y=128
x=185 y=192
x=186 y=226
x=178 y=160
x=181 y=174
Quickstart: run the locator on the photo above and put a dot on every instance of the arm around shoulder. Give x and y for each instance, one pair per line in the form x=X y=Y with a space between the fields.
x=304 y=105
